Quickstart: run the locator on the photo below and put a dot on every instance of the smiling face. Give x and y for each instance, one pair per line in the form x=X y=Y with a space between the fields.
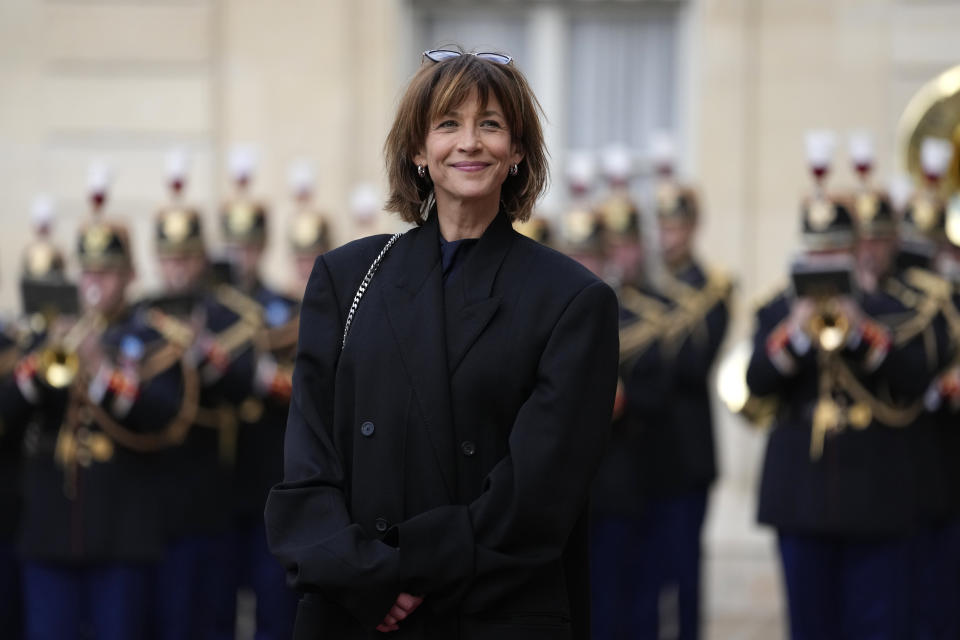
x=469 y=151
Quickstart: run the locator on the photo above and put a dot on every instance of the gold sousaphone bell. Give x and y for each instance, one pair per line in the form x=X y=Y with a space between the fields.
x=731 y=383
x=933 y=112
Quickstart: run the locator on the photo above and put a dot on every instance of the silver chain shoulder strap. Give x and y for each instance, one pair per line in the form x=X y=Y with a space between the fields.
x=363 y=286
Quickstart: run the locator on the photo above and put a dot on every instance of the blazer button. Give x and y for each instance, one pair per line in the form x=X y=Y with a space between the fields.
x=367 y=429
x=381 y=525
x=468 y=448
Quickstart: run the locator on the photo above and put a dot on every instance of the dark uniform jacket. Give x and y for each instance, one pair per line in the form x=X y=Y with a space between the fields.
x=620 y=486
x=680 y=450
x=867 y=481
x=448 y=450
x=10 y=445
x=943 y=402
x=199 y=471
x=261 y=431
x=90 y=492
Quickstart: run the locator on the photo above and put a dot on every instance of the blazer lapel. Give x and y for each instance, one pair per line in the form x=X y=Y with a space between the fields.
x=413 y=298
x=469 y=304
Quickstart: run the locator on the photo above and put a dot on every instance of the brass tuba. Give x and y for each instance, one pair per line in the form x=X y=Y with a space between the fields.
x=933 y=112
x=731 y=383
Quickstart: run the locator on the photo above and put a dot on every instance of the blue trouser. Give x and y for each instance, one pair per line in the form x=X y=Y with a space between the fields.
x=660 y=557
x=616 y=576
x=11 y=600
x=253 y=566
x=106 y=602
x=935 y=582
x=846 y=588
x=189 y=579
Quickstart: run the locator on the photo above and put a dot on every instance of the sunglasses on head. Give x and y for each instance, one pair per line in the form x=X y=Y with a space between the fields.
x=439 y=55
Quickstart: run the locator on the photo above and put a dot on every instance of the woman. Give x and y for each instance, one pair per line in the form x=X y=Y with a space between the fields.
x=437 y=464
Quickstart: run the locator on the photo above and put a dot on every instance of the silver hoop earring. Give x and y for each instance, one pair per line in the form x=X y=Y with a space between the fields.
x=421 y=171
x=514 y=169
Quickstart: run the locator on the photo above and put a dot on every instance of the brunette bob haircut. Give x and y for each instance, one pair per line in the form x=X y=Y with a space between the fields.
x=435 y=89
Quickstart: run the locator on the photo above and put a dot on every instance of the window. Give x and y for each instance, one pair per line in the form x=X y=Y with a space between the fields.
x=605 y=73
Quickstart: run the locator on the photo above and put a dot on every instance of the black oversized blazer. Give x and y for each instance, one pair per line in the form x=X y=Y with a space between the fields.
x=448 y=450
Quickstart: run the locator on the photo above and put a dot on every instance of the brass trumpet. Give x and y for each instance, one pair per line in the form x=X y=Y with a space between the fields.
x=828 y=325
x=58 y=361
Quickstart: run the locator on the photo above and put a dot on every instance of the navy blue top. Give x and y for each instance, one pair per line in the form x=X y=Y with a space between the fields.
x=453 y=254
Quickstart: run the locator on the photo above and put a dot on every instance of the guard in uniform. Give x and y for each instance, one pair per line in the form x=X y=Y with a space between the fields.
x=619 y=566
x=364 y=207
x=876 y=225
x=198 y=470
x=582 y=239
x=10 y=496
x=935 y=566
x=680 y=457
x=943 y=401
x=581 y=230
x=839 y=479
x=95 y=403
x=11 y=601
x=309 y=230
x=621 y=219
x=43 y=262
x=262 y=416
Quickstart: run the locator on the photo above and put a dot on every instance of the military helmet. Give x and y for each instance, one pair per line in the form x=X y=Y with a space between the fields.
x=243 y=220
x=102 y=244
x=43 y=260
x=620 y=216
x=924 y=217
x=309 y=233
x=536 y=228
x=874 y=214
x=826 y=223
x=179 y=232
x=582 y=231
x=872 y=209
x=676 y=202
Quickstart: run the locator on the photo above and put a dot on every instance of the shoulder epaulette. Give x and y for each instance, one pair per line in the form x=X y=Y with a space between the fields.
x=720 y=282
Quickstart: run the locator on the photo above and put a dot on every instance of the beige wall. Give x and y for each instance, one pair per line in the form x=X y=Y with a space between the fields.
x=124 y=82
x=318 y=79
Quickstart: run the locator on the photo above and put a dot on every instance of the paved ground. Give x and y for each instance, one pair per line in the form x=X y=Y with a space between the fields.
x=744 y=594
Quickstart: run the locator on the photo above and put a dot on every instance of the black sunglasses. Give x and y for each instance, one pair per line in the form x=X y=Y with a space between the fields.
x=439 y=55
